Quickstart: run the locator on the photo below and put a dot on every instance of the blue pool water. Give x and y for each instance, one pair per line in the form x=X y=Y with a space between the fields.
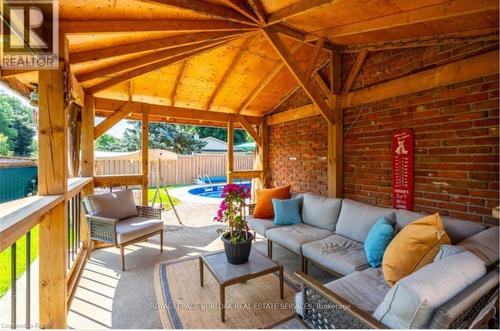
x=211 y=191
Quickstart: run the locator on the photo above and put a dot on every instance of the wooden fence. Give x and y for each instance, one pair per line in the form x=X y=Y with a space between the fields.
x=184 y=170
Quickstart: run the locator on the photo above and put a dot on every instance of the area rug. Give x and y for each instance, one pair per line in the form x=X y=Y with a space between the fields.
x=183 y=304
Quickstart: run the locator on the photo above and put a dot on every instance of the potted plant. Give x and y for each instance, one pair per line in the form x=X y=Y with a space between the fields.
x=236 y=237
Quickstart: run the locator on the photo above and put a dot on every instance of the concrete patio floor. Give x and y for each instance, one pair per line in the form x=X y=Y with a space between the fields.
x=109 y=298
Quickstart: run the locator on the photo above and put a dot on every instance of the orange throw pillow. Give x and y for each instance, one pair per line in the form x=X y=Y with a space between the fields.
x=264 y=197
x=414 y=246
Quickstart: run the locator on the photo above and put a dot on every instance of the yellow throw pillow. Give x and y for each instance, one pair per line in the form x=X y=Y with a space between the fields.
x=413 y=247
x=264 y=200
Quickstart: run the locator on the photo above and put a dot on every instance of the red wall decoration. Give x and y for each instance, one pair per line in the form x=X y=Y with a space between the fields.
x=402 y=169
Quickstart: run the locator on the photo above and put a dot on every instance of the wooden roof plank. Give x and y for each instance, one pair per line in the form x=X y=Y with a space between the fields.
x=299 y=74
x=259 y=11
x=178 y=79
x=242 y=7
x=295 y=9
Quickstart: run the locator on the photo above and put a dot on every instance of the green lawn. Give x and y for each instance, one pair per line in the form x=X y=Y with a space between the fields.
x=5 y=262
x=164 y=198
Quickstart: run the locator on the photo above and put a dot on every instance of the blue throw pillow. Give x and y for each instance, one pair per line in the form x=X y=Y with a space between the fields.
x=287 y=212
x=378 y=239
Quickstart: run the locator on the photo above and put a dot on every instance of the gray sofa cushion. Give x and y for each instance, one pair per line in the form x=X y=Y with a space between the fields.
x=135 y=227
x=117 y=205
x=260 y=225
x=364 y=289
x=484 y=245
x=294 y=236
x=321 y=212
x=456 y=229
x=356 y=219
x=337 y=253
x=411 y=303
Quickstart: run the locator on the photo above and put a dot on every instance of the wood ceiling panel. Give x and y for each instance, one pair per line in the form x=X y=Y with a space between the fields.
x=156 y=87
x=117 y=92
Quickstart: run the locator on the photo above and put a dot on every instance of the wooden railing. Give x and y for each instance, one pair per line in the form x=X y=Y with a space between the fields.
x=19 y=217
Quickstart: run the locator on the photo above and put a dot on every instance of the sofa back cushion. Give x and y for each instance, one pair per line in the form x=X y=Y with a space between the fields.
x=484 y=245
x=411 y=303
x=287 y=212
x=264 y=200
x=118 y=205
x=321 y=212
x=456 y=229
x=356 y=219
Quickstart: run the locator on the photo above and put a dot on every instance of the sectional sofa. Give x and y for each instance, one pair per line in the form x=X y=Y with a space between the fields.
x=332 y=236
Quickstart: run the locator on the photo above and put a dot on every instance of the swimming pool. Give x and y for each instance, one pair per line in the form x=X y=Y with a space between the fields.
x=211 y=191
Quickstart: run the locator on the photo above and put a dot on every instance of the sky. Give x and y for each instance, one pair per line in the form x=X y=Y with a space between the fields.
x=116 y=130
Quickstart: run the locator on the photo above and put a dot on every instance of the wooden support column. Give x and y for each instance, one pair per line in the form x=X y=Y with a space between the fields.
x=145 y=153
x=52 y=179
x=230 y=150
x=88 y=117
x=264 y=152
x=335 y=130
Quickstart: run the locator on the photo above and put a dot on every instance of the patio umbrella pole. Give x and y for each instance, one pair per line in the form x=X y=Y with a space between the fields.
x=159 y=185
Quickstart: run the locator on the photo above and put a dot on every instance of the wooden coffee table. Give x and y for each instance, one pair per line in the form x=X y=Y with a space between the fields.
x=227 y=274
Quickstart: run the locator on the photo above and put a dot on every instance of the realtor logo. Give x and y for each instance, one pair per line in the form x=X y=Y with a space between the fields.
x=30 y=34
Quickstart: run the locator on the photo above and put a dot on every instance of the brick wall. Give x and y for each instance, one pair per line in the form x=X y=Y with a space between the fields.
x=456 y=138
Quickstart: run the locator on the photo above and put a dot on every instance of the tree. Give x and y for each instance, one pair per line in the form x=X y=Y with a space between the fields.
x=108 y=143
x=240 y=136
x=4 y=145
x=22 y=142
x=180 y=139
x=16 y=125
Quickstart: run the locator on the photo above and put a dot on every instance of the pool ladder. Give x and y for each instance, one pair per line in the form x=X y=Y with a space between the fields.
x=201 y=180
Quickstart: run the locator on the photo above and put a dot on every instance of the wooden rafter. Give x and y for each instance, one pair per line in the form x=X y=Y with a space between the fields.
x=295 y=9
x=243 y=8
x=205 y=8
x=288 y=94
x=149 y=45
x=177 y=82
x=265 y=81
x=230 y=69
x=299 y=74
x=150 y=58
x=249 y=128
x=131 y=74
x=124 y=26
x=314 y=56
x=442 y=11
x=354 y=71
x=125 y=110
x=258 y=10
x=110 y=106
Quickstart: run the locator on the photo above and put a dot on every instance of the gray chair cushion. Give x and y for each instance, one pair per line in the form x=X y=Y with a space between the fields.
x=294 y=236
x=456 y=229
x=337 y=253
x=260 y=225
x=411 y=303
x=364 y=289
x=118 y=205
x=484 y=245
x=321 y=212
x=356 y=219
x=134 y=227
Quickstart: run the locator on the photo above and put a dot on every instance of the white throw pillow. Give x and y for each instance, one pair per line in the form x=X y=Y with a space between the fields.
x=411 y=303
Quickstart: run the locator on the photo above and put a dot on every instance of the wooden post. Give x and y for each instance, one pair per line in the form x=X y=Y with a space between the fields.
x=230 y=150
x=264 y=152
x=88 y=118
x=52 y=179
x=335 y=130
x=145 y=153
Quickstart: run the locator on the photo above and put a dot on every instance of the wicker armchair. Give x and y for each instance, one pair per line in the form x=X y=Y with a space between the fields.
x=323 y=309
x=124 y=232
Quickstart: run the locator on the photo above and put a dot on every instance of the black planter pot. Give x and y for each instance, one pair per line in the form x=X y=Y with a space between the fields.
x=238 y=253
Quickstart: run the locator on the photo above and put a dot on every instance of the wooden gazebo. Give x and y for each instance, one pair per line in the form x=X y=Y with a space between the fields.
x=234 y=63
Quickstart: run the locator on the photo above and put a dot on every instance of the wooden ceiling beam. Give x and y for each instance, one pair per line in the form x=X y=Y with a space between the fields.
x=204 y=8
x=354 y=71
x=259 y=11
x=131 y=74
x=299 y=74
x=177 y=82
x=297 y=8
x=250 y=129
x=110 y=105
x=243 y=8
x=126 y=109
x=229 y=71
x=442 y=11
x=146 y=59
x=314 y=56
x=265 y=81
x=149 y=45
x=124 y=26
